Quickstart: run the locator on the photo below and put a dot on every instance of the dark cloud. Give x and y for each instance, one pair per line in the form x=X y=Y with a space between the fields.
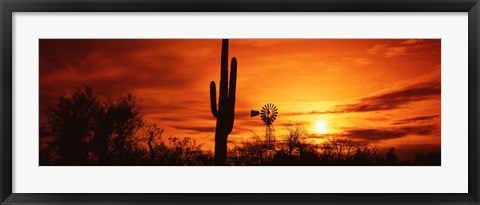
x=249 y=122
x=307 y=113
x=386 y=101
x=390 y=133
x=375 y=134
x=86 y=55
x=197 y=129
x=161 y=69
x=176 y=119
x=164 y=107
x=395 y=99
x=415 y=119
x=170 y=79
x=243 y=115
x=54 y=56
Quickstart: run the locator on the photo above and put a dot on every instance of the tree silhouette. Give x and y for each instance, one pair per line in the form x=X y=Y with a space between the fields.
x=84 y=127
x=293 y=139
x=117 y=122
x=72 y=123
x=390 y=157
x=153 y=133
x=90 y=131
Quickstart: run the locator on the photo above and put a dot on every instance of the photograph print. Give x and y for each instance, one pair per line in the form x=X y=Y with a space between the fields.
x=240 y=102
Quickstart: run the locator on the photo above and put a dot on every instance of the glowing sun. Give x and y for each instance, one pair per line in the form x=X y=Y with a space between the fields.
x=321 y=127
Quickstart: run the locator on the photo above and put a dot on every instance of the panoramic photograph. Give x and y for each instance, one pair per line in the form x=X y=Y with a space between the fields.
x=240 y=102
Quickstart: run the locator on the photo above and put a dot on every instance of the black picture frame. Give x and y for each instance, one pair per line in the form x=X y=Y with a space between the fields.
x=7 y=8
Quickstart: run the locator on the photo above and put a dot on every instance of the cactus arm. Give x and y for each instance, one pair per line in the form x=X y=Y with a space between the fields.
x=225 y=110
x=213 y=99
x=222 y=101
x=231 y=94
x=232 y=88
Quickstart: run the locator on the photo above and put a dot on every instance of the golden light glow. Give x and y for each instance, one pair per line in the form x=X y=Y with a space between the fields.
x=389 y=88
x=321 y=127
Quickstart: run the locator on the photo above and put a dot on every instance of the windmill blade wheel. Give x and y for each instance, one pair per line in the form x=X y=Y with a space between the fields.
x=269 y=113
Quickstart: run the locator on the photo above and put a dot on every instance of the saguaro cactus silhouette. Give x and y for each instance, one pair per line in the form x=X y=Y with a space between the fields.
x=225 y=112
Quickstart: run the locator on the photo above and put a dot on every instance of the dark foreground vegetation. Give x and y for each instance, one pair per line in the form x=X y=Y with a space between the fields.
x=84 y=130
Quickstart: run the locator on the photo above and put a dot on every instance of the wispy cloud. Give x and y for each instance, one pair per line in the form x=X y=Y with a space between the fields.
x=387 y=51
x=411 y=41
x=377 y=49
x=416 y=119
x=390 y=133
x=385 y=101
x=406 y=47
x=394 y=99
x=197 y=129
x=170 y=79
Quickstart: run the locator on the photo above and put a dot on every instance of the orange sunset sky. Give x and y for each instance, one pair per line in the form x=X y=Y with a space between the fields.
x=387 y=90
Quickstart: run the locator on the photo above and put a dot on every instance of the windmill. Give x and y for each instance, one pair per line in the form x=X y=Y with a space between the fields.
x=268 y=114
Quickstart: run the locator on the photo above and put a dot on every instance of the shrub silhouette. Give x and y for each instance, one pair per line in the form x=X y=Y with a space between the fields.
x=248 y=153
x=122 y=119
x=84 y=128
x=293 y=140
x=72 y=123
x=89 y=131
x=225 y=111
x=294 y=149
x=429 y=159
x=390 y=157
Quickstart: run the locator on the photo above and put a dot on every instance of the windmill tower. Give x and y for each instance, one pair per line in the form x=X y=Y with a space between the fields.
x=268 y=114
